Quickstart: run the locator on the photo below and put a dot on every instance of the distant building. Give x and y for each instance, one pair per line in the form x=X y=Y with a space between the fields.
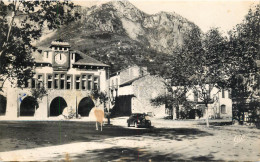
x=219 y=106
x=67 y=75
x=132 y=88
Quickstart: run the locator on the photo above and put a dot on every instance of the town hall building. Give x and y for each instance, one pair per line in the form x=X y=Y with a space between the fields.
x=68 y=76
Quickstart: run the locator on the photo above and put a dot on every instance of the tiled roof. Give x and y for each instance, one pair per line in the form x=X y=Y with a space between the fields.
x=58 y=43
x=130 y=81
x=87 y=60
x=118 y=72
x=38 y=56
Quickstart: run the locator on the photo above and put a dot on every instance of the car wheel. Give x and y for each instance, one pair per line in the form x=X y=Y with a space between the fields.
x=128 y=124
x=136 y=125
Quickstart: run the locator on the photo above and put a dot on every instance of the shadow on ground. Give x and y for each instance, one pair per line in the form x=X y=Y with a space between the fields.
x=132 y=154
x=177 y=134
x=218 y=123
x=27 y=134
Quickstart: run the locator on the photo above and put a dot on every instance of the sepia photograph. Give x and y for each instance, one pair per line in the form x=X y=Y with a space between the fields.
x=129 y=80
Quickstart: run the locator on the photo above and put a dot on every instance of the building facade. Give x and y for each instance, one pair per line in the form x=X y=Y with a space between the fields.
x=132 y=90
x=219 y=105
x=67 y=75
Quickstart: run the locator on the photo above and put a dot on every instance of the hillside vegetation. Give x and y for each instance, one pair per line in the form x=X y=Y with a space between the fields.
x=119 y=34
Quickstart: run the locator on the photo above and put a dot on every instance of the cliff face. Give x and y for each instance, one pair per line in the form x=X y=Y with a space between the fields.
x=119 y=32
x=162 y=31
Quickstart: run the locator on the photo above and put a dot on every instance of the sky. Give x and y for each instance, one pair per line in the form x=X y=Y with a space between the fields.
x=224 y=14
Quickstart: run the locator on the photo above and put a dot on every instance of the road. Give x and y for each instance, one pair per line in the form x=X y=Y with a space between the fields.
x=66 y=140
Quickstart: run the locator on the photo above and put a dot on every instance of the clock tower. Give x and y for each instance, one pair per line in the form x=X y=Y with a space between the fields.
x=61 y=55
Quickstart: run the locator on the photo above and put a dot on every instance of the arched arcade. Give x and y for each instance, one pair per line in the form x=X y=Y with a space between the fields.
x=57 y=105
x=85 y=106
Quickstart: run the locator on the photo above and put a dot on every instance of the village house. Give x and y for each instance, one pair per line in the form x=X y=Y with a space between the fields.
x=132 y=89
x=68 y=75
x=219 y=105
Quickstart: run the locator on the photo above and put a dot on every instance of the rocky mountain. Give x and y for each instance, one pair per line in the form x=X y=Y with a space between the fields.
x=119 y=34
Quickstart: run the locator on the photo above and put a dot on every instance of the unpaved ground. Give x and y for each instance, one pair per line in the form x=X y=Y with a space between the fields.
x=178 y=141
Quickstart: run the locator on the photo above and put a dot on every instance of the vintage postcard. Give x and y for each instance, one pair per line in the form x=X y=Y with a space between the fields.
x=129 y=80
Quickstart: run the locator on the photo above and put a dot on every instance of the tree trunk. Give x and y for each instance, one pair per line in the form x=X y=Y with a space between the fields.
x=177 y=109
x=207 y=116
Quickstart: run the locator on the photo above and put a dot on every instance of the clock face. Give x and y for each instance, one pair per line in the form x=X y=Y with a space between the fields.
x=60 y=58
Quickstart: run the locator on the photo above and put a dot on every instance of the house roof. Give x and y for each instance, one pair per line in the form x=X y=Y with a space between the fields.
x=118 y=72
x=87 y=60
x=60 y=43
x=131 y=81
x=37 y=55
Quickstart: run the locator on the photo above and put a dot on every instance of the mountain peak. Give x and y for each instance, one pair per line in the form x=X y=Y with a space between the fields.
x=120 y=25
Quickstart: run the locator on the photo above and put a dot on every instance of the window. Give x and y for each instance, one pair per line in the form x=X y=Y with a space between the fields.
x=39 y=81
x=229 y=93
x=68 y=82
x=33 y=82
x=96 y=86
x=223 y=93
x=62 y=81
x=223 y=109
x=56 y=81
x=84 y=82
x=49 y=81
x=89 y=82
x=47 y=54
x=26 y=84
x=77 y=80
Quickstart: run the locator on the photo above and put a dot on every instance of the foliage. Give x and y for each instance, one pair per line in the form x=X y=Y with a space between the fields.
x=188 y=109
x=173 y=97
x=99 y=96
x=71 y=113
x=21 y=23
x=244 y=48
x=160 y=100
x=38 y=93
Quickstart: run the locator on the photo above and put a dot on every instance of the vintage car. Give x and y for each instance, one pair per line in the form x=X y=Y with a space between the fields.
x=139 y=120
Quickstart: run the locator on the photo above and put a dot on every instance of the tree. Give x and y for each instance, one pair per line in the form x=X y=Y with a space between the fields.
x=200 y=64
x=21 y=23
x=213 y=69
x=244 y=52
x=38 y=93
x=180 y=68
x=172 y=98
x=102 y=97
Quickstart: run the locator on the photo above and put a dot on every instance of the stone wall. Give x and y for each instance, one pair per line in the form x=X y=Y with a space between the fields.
x=145 y=89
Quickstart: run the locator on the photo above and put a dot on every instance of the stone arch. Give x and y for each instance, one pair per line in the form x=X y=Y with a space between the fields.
x=2 y=105
x=28 y=106
x=57 y=105
x=85 y=106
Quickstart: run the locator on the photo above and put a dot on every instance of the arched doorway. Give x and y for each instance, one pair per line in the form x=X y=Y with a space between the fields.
x=85 y=105
x=57 y=106
x=28 y=106
x=2 y=105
